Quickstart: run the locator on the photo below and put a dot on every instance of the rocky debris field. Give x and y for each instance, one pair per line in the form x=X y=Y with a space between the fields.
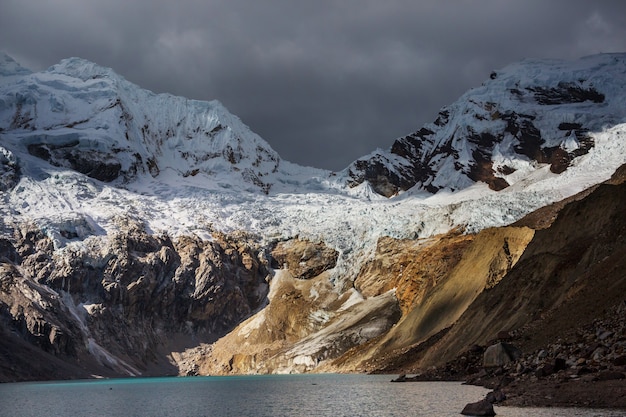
x=584 y=368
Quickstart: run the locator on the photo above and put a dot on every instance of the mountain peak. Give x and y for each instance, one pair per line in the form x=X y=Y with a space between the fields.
x=83 y=116
x=82 y=69
x=535 y=113
x=528 y=114
x=9 y=66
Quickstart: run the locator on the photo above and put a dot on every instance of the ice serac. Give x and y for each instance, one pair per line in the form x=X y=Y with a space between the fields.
x=85 y=117
x=530 y=113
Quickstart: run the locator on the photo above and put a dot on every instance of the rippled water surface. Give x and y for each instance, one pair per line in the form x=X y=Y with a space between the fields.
x=288 y=395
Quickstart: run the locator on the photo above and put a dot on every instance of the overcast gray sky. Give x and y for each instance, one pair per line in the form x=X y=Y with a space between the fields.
x=324 y=82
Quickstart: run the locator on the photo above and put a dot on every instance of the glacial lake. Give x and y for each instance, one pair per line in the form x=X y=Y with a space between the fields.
x=241 y=396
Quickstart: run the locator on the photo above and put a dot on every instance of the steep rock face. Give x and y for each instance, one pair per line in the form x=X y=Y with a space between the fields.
x=36 y=312
x=306 y=323
x=446 y=279
x=490 y=256
x=542 y=290
x=285 y=320
x=411 y=267
x=526 y=114
x=118 y=304
x=570 y=274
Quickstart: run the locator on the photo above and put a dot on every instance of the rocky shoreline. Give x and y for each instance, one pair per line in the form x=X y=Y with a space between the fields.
x=592 y=391
x=585 y=368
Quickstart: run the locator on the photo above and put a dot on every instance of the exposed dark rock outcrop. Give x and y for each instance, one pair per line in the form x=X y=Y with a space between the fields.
x=95 y=164
x=566 y=93
x=500 y=354
x=9 y=170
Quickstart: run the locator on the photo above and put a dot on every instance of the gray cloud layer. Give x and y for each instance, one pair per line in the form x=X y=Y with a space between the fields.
x=323 y=82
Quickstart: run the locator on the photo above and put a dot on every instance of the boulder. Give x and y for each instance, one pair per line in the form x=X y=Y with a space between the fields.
x=560 y=364
x=495 y=396
x=609 y=376
x=303 y=258
x=499 y=355
x=479 y=408
x=545 y=370
x=401 y=378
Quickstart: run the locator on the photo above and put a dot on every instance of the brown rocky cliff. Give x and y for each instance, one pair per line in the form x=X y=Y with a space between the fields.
x=481 y=261
x=306 y=322
x=411 y=267
x=569 y=275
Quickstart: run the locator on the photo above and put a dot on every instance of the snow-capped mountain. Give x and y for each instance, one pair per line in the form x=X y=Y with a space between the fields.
x=527 y=114
x=85 y=117
x=163 y=219
x=82 y=147
x=82 y=116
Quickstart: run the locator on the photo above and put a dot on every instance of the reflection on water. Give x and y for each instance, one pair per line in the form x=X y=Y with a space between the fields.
x=274 y=395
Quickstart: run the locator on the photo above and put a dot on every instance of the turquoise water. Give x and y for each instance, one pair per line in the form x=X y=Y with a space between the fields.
x=275 y=395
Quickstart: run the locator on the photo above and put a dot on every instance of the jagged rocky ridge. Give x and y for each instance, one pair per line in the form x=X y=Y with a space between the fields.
x=176 y=271
x=528 y=113
x=79 y=115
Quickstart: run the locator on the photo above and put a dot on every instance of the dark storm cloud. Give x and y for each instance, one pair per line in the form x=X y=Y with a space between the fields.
x=324 y=82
